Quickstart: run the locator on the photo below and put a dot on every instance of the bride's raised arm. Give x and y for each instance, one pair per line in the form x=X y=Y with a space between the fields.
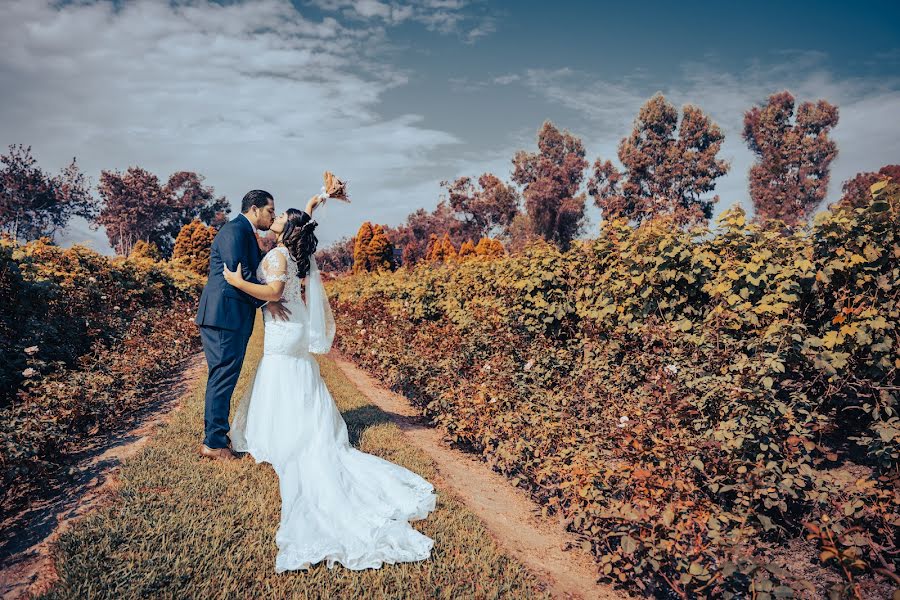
x=313 y=203
x=275 y=270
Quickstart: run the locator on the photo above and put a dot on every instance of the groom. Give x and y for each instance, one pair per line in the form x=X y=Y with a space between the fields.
x=226 y=315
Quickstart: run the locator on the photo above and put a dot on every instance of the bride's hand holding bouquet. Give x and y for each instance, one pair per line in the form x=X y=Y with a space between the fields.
x=333 y=188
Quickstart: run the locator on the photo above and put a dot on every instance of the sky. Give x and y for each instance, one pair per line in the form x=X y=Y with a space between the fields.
x=396 y=96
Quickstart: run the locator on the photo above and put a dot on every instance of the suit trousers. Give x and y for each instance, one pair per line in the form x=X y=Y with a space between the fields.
x=224 y=350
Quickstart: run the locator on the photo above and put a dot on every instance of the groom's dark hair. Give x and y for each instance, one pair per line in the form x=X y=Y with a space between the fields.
x=257 y=198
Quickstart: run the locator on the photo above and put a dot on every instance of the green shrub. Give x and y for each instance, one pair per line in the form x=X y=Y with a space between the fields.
x=690 y=403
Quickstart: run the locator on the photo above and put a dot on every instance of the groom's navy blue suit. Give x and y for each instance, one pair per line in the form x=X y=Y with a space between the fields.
x=226 y=317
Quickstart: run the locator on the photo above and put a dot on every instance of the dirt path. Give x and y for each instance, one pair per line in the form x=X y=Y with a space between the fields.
x=25 y=565
x=511 y=516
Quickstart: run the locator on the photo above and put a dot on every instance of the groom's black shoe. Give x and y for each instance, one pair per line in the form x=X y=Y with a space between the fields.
x=217 y=453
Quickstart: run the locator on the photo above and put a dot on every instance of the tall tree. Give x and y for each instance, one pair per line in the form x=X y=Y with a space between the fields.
x=412 y=253
x=551 y=178
x=520 y=233
x=485 y=209
x=35 y=204
x=137 y=207
x=361 y=248
x=440 y=250
x=191 y=198
x=433 y=250
x=380 y=251
x=790 y=177
x=856 y=189
x=448 y=249
x=134 y=205
x=467 y=250
x=664 y=172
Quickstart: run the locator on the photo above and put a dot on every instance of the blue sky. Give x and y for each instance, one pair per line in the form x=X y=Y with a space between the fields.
x=396 y=96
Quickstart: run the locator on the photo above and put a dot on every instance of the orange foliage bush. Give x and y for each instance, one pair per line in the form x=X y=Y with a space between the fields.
x=192 y=247
x=372 y=250
x=489 y=247
x=85 y=339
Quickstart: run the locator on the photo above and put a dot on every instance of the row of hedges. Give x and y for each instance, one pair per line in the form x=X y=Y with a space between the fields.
x=714 y=413
x=84 y=339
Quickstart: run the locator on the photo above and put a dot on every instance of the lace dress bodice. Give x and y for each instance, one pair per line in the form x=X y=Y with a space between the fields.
x=277 y=265
x=289 y=337
x=310 y=328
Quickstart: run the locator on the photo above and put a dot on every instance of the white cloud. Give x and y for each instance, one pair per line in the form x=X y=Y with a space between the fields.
x=249 y=94
x=483 y=29
x=507 y=79
x=442 y=16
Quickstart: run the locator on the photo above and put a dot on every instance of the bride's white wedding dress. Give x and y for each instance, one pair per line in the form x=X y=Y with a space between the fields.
x=338 y=504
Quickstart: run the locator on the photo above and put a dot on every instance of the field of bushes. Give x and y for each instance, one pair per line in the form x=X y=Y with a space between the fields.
x=85 y=339
x=714 y=413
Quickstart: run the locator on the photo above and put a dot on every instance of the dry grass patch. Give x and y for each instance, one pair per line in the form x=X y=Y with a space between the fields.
x=182 y=527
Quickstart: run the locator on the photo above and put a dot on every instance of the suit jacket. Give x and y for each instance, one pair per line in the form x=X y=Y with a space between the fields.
x=222 y=305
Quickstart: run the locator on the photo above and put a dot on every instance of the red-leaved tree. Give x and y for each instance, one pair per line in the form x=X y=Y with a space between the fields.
x=856 y=190
x=191 y=197
x=337 y=258
x=664 y=172
x=485 y=209
x=413 y=235
x=551 y=178
x=137 y=207
x=33 y=203
x=471 y=211
x=790 y=176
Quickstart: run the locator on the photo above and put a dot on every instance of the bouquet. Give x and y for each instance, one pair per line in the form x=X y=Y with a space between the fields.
x=335 y=188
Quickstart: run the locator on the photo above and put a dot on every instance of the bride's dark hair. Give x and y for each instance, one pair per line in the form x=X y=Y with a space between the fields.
x=299 y=239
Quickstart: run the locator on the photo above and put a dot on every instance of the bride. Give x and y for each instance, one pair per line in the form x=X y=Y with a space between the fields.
x=338 y=504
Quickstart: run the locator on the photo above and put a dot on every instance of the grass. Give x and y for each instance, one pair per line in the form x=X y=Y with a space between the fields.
x=183 y=527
